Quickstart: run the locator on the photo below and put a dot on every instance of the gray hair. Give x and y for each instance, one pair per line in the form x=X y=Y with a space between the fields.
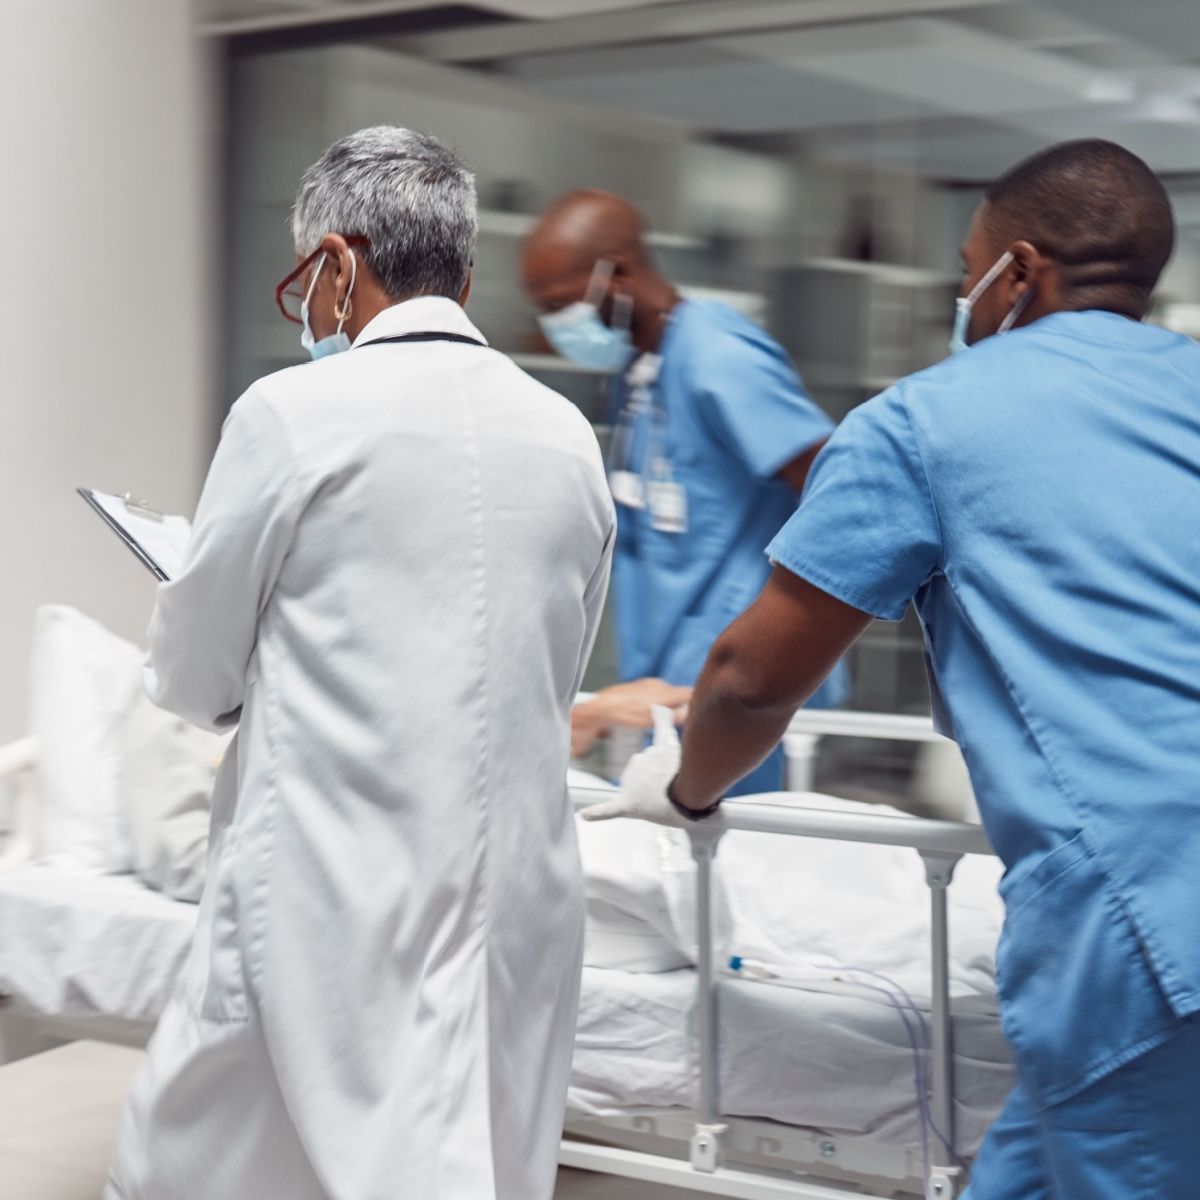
x=404 y=191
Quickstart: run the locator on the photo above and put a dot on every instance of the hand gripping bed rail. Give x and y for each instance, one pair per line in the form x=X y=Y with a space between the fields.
x=17 y=763
x=941 y=845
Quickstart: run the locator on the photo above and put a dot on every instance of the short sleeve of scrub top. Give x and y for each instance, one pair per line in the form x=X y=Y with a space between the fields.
x=866 y=531
x=754 y=403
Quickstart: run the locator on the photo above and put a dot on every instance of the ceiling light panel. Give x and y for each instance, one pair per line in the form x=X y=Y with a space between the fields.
x=931 y=62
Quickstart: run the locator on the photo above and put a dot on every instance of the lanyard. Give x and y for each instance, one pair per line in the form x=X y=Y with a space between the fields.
x=648 y=484
x=640 y=382
x=423 y=337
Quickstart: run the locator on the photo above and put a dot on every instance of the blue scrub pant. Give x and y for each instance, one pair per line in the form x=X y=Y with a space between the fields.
x=1134 y=1135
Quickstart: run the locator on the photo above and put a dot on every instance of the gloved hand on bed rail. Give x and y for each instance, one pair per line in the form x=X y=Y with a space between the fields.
x=645 y=780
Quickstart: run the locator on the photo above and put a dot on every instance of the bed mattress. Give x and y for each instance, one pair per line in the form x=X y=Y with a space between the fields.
x=836 y=1062
x=86 y=946
x=80 y=945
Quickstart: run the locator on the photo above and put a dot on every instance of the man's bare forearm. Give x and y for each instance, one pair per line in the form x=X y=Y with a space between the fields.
x=724 y=741
x=761 y=670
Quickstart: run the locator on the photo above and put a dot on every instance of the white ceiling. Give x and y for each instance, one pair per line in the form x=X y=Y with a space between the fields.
x=1172 y=26
x=935 y=62
x=958 y=91
x=712 y=87
x=959 y=95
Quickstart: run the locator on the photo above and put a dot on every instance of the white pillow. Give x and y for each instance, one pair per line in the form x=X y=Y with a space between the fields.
x=167 y=781
x=627 y=922
x=618 y=941
x=84 y=682
x=639 y=888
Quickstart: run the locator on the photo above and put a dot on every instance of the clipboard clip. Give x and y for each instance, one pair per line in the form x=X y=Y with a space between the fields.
x=140 y=507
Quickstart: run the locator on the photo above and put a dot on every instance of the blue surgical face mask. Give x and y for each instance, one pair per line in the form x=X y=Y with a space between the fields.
x=337 y=342
x=965 y=304
x=579 y=333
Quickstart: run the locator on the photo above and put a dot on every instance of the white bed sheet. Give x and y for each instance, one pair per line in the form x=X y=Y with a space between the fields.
x=80 y=945
x=809 y=1058
x=85 y=945
x=820 y=907
x=845 y=1064
x=634 y=1042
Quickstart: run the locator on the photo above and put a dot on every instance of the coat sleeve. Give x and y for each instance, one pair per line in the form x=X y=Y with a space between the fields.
x=596 y=591
x=593 y=602
x=205 y=625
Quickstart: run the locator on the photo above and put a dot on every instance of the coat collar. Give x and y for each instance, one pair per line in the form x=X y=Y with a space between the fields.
x=424 y=314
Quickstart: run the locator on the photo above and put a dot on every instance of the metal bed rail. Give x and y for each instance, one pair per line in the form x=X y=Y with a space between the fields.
x=941 y=846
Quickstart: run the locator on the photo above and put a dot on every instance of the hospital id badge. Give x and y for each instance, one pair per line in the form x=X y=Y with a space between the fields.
x=668 y=506
x=627 y=489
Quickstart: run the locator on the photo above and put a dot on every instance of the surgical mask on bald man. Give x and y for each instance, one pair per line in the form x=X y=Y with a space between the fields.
x=579 y=333
x=965 y=304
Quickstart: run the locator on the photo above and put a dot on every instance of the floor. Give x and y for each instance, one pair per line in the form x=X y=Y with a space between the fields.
x=58 y=1116
x=582 y=1185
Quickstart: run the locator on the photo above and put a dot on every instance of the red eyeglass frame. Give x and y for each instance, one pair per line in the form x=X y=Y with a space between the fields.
x=352 y=239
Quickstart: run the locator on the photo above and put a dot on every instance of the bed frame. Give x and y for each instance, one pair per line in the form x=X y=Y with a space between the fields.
x=704 y=1151
x=708 y=1153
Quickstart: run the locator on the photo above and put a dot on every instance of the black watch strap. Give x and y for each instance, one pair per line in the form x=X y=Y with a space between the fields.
x=691 y=814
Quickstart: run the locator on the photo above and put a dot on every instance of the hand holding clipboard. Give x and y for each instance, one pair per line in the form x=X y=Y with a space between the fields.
x=158 y=541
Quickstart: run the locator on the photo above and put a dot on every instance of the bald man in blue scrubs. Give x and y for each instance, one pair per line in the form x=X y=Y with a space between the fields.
x=713 y=439
x=1038 y=498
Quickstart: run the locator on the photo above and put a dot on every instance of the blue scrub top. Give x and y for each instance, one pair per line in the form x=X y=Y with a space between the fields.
x=732 y=413
x=1039 y=498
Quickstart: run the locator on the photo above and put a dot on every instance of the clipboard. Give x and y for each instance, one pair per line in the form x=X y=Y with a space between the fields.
x=157 y=540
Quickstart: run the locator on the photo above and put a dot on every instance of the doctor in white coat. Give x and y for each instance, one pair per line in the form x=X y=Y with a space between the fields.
x=398 y=565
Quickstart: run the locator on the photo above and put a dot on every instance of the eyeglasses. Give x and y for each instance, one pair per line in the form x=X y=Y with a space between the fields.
x=289 y=295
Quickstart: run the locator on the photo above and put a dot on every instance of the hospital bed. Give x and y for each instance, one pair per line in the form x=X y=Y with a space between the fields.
x=707 y=1077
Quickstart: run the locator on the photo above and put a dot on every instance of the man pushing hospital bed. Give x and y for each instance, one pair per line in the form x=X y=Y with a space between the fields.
x=822 y=949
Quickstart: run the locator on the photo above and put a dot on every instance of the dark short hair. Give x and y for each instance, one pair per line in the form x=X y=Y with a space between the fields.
x=1098 y=211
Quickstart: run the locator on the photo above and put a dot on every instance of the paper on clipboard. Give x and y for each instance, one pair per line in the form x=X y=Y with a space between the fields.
x=159 y=541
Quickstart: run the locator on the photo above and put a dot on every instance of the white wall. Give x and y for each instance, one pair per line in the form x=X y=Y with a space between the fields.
x=104 y=303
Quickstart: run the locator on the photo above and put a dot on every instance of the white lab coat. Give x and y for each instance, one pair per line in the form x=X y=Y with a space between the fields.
x=398 y=565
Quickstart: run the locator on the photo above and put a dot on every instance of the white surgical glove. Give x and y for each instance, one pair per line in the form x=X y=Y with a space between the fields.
x=645 y=780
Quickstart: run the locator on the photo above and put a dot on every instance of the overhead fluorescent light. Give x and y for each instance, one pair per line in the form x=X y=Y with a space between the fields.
x=936 y=62
x=1110 y=89
x=1167 y=109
